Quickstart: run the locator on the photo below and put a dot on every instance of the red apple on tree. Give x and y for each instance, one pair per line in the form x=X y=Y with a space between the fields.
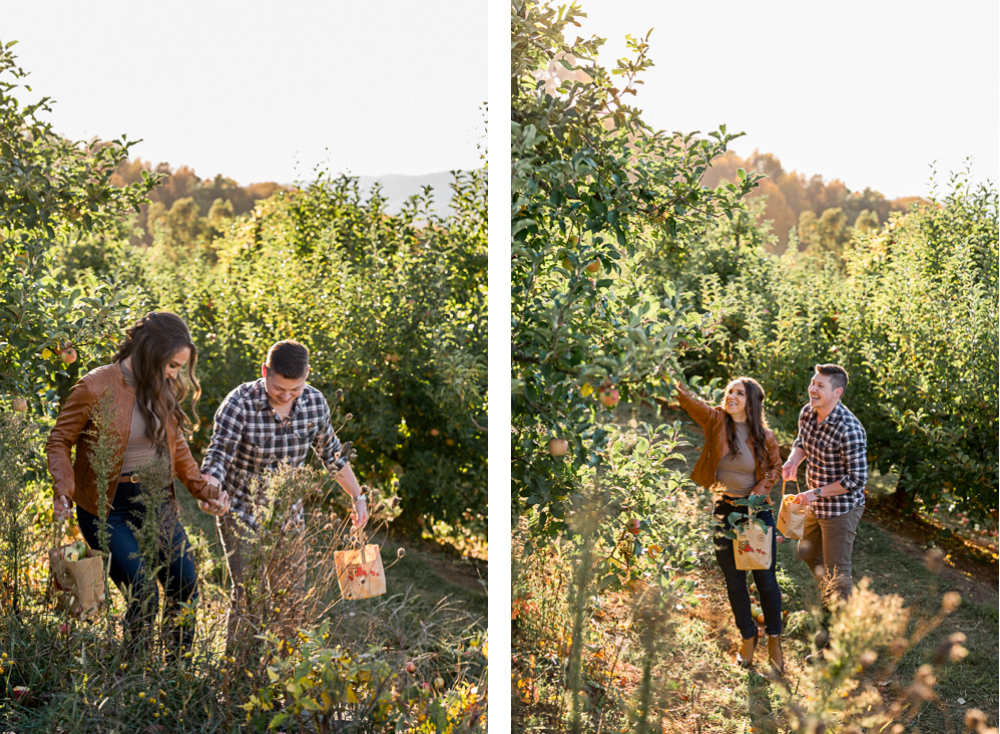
x=634 y=526
x=558 y=446
x=67 y=355
x=608 y=396
x=594 y=267
x=435 y=432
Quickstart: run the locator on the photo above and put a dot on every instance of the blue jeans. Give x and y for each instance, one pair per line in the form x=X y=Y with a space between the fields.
x=736 y=580
x=176 y=568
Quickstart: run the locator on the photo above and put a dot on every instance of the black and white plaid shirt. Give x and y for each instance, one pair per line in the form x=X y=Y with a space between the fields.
x=250 y=439
x=836 y=450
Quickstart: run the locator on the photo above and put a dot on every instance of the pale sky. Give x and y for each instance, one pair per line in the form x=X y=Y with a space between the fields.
x=248 y=88
x=868 y=92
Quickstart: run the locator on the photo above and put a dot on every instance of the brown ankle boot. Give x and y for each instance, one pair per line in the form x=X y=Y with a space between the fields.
x=745 y=655
x=774 y=654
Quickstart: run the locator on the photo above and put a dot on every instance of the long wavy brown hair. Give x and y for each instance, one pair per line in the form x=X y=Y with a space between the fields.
x=755 y=418
x=151 y=342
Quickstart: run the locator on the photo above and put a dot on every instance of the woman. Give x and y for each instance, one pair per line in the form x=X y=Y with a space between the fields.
x=740 y=458
x=145 y=391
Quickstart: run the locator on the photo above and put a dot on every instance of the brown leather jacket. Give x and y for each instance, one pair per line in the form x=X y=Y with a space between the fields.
x=76 y=480
x=713 y=420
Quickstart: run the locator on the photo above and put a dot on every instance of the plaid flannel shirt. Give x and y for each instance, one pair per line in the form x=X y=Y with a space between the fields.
x=836 y=450
x=249 y=439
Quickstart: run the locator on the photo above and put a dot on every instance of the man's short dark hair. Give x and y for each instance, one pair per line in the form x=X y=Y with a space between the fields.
x=836 y=373
x=288 y=358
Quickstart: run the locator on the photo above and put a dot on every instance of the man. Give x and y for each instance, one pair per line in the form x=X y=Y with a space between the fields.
x=833 y=442
x=259 y=425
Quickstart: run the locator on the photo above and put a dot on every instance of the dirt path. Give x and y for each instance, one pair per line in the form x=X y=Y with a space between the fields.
x=449 y=566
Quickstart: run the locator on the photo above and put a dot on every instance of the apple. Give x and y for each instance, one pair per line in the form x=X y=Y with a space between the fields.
x=558 y=446
x=573 y=240
x=594 y=267
x=411 y=668
x=634 y=526
x=608 y=396
x=19 y=404
x=21 y=692
x=391 y=358
x=760 y=618
x=67 y=355
x=439 y=682
x=435 y=432
x=780 y=539
x=76 y=551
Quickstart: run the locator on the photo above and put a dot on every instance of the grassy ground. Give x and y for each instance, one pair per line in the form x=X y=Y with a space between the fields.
x=898 y=565
x=428 y=570
x=697 y=686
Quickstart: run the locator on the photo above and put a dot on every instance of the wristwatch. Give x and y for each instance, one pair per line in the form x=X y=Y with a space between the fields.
x=818 y=492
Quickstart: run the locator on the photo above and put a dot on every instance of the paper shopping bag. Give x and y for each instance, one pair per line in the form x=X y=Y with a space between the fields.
x=752 y=547
x=359 y=572
x=792 y=518
x=78 y=584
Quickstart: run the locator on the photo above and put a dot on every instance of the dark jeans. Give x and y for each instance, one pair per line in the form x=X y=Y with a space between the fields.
x=176 y=568
x=736 y=580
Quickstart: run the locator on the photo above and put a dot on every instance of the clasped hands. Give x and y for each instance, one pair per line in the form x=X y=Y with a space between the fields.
x=220 y=505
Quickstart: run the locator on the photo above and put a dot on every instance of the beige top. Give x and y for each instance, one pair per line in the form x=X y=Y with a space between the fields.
x=140 y=449
x=738 y=474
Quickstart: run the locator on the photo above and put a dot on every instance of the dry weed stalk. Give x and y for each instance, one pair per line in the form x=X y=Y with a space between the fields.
x=864 y=628
x=15 y=442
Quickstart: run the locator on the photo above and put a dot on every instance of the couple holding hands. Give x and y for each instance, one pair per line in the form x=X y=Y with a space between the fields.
x=741 y=457
x=260 y=424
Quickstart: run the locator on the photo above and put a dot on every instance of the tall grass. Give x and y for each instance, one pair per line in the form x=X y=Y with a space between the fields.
x=589 y=658
x=326 y=664
x=15 y=444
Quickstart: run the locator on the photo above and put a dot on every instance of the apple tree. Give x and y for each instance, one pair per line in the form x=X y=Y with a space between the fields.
x=392 y=309
x=52 y=190
x=922 y=331
x=590 y=185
